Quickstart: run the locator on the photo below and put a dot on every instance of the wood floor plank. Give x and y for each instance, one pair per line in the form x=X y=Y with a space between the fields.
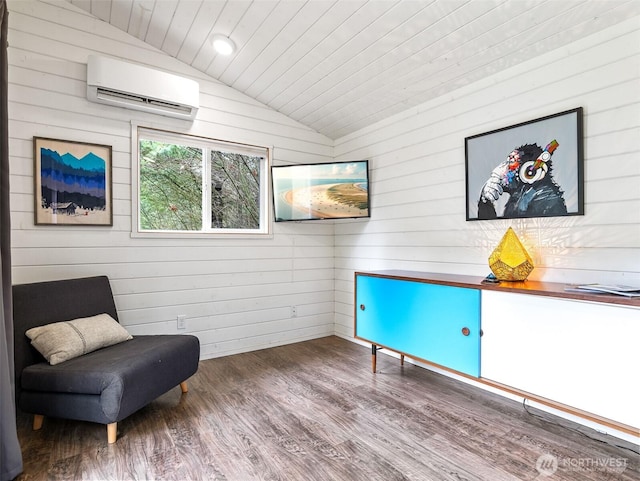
x=313 y=411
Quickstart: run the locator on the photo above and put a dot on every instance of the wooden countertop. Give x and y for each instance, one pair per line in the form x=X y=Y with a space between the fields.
x=549 y=289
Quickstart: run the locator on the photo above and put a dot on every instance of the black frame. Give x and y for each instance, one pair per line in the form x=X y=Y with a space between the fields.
x=308 y=213
x=487 y=151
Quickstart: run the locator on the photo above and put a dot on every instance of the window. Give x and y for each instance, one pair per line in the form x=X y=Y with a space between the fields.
x=189 y=184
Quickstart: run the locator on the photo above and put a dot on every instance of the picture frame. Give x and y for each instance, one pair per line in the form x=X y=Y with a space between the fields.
x=320 y=191
x=72 y=183
x=531 y=169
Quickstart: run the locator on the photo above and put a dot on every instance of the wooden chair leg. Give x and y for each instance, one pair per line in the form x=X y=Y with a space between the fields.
x=184 y=387
x=37 y=421
x=112 y=432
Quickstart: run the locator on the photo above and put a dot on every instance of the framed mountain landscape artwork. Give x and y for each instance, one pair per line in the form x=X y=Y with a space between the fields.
x=72 y=183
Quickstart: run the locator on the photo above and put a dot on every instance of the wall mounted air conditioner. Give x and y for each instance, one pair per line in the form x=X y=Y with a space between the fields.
x=123 y=84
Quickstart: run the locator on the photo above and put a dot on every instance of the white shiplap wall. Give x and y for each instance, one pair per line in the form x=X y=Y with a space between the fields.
x=418 y=174
x=236 y=293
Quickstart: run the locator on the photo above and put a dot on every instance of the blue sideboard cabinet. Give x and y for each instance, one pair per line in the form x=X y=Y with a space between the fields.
x=572 y=351
x=435 y=323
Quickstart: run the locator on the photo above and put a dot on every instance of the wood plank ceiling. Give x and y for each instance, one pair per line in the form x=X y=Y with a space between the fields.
x=338 y=66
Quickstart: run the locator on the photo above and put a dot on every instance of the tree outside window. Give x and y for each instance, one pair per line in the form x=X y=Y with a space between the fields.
x=191 y=184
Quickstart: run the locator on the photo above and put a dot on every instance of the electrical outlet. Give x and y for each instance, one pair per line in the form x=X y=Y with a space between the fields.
x=294 y=311
x=182 y=321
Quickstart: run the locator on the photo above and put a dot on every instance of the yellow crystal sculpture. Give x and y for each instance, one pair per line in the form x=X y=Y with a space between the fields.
x=510 y=261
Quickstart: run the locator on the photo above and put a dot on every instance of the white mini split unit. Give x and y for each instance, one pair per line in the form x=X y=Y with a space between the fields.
x=123 y=84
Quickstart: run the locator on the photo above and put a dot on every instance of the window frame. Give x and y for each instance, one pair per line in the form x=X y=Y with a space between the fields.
x=164 y=135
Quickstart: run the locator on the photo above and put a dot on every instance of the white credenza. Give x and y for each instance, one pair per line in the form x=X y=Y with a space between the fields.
x=577 y=352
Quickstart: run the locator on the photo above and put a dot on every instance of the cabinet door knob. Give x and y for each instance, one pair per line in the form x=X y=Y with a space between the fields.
x=465 y=331
x=362 y=307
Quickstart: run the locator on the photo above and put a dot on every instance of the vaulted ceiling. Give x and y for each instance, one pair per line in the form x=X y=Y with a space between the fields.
x=338 y=66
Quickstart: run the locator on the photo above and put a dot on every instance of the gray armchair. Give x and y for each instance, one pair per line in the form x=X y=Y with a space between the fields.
x=104 y=386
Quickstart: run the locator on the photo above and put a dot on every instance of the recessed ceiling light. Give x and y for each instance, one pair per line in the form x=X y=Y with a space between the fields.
x=223 y=45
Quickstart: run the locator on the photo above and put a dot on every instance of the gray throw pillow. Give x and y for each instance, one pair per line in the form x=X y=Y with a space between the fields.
x=61 y=341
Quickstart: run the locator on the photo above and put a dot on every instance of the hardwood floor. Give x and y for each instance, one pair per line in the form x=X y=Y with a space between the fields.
x=314 y=411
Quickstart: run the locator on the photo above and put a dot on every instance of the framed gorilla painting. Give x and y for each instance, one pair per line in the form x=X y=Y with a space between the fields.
x=531 y=169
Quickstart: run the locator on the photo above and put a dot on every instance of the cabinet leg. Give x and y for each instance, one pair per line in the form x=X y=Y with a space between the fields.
x=374 y=351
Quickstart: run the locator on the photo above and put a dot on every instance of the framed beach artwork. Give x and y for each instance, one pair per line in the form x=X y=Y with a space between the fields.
x=334 y=190
x=531 y=169
x=72 y=183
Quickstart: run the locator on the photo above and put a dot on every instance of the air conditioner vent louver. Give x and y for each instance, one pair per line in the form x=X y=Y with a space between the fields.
x=122 y=84
x=125 y=98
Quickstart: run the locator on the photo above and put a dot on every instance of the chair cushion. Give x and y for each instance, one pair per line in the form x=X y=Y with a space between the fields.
x=61 y=341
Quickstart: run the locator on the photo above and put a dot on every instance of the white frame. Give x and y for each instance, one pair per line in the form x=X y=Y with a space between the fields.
x=265 y=197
